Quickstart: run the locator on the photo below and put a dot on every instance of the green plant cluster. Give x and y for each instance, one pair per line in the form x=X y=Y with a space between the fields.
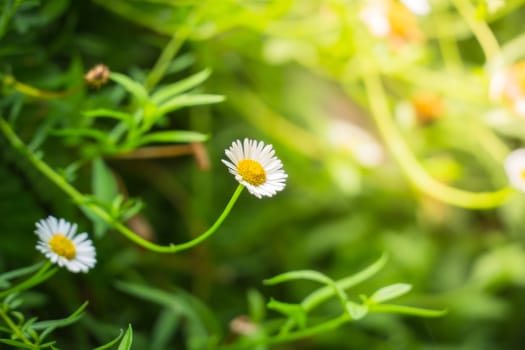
x=115 y=115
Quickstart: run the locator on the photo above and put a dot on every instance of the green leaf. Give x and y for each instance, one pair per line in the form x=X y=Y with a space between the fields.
x=298 y=275
x=356 y=311
x=188 y=100
x=256 y=305
x=111 y=342
x=32 y=281
x=165 y=329
x=407 y=310
x=167 y=92
x=105 y=190
x=172 y=136
x=50 y=325
x=312 y=276
x=293 y=311
x=130 y=85
x=81 y=132
x=200 y=323
x=18 y=344
x=108 y=113
x=324 y=293
x=390 y=292
x=130 y=207
x=127 y=340
x=5 y=277
x=103 y=183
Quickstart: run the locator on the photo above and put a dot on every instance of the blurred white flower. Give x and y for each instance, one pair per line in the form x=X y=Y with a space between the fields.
x=59 y=242
x=392 y=20
x=515 y=168
x=375 y=16
x=494 y=5
x=349 y=138
x=508 y=85
x=255 y=166
x=417 y=7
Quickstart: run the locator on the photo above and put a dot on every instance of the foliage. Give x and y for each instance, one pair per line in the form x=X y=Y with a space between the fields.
x=395 y=142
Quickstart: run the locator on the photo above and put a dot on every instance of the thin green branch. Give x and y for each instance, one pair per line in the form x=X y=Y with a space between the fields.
x=410 y=165
x=83 y=200
x=16 y=330
x=28 y=90
x=40 y=276
x=479 y=28
x=165 y=58
x=324 y=327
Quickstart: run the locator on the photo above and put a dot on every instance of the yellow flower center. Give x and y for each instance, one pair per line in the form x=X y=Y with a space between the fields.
x=63 y=246
x=251 y=172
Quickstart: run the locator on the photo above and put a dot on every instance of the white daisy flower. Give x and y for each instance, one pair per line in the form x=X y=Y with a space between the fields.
x=59 y=242
x=255 y=166
x=515 y=168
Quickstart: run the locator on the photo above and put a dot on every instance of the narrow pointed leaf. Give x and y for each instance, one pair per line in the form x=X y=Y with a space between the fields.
x=130 y=85
x=188 y=100
x=167 y=92
x=172 y=137
x=127 y=340
x=390 y=292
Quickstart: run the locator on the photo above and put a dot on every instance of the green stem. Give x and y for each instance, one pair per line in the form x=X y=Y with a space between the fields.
x=449 y=49
x=407 y=310
x=286 y=338
x=167 y=55
x=83 y=200
x=16 y=330
x=480 y=28
x=28 y=90
x=216 y=225
x=323 y=294
x=40 y=276
x=410 y=165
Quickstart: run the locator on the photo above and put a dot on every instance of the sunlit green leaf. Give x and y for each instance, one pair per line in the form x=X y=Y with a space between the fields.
x=127 y=340
x=81 y=132
x=407 y=310
x=356 y=311
x=108 y=113
x=294 y=311
x=172 y=137
x=165 y=93
x=390 y=292
x=130 y=85
x=188 y=100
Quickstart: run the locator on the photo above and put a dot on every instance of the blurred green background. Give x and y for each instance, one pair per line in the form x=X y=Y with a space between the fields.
x=294 y=75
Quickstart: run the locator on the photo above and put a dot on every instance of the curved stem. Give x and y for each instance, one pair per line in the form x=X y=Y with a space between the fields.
x=216 y=225
x=479 y=27
x=83 y=201
x=410 y=165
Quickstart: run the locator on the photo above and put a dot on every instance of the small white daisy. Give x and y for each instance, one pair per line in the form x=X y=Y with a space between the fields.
x=60 y=244
x=255 y=166
x=515 y=168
